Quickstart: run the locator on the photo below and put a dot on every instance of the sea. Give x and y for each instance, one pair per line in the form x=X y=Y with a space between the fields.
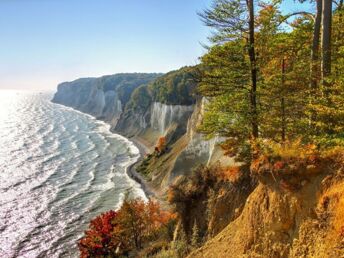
x=59 y=168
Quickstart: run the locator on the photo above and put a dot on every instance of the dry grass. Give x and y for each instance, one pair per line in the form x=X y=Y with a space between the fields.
x=230 y=174
x=290 y=149
x=336 y=196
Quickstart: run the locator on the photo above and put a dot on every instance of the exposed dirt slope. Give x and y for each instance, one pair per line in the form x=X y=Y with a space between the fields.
x=279 y=222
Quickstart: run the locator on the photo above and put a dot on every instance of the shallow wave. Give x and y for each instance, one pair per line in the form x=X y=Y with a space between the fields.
x=60 y=168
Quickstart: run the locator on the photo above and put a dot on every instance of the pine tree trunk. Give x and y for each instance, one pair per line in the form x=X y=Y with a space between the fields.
x=326 y=39
x=252 y=55
x=283 y=116
x=315 y=47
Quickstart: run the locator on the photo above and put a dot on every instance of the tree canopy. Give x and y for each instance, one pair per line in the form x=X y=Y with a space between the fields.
x=264 y=73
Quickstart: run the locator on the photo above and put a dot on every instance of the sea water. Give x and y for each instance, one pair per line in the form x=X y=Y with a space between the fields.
x=58 y=169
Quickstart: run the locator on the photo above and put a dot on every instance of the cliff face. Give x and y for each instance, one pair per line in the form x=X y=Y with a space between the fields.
x=186 y=148
x=104 y=97
x=155 y=121
x=162 y=108
x=199 y=150
x=168 y=108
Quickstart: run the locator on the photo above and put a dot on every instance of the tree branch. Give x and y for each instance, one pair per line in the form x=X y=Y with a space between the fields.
x=298 y=13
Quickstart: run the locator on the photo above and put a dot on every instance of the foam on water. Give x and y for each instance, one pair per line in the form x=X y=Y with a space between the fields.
x=58 y=169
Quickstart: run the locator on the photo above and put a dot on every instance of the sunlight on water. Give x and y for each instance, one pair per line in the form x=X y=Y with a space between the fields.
x=58 y=169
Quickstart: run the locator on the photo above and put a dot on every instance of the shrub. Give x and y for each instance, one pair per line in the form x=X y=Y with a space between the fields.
x=181 y=248
x=161 y=145
x=293 y=164
x=289 y=149
x=177 y=249
x=190 y=188
x=154 y=248
x=167 y=253
x=99 y=239
x=195 y=238
x=230 y=174
x=117 y=233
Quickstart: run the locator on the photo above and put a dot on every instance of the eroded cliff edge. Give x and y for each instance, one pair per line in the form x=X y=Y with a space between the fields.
x=296 y=210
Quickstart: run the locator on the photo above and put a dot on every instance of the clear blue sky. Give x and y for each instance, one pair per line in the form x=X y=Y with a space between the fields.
x=44 y=42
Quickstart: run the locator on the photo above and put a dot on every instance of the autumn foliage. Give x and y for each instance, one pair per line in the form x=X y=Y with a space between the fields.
x=99 y=238
x=230 y=174
x=161 y=145
x=118 y=233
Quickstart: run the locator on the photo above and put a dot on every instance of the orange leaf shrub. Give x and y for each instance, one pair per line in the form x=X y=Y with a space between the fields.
x=113 y=234
x=161 y=145
x=291 y=158
x=98 y=239
x=230 y=174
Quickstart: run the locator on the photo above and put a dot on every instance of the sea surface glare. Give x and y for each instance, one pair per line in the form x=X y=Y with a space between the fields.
x=58 y=169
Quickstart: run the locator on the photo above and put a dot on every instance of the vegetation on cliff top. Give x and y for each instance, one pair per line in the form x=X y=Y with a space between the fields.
x=174 y=88
x=260 y=75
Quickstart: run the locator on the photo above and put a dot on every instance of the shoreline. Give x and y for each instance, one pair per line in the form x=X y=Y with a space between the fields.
x=131 y=170
x=149 y=191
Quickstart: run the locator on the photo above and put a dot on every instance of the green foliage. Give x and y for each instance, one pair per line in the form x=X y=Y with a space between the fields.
x=167 y=253
x=180 y=246
x=140 y=99
x=143 y=167
x=154 y=248
x=328 y=104
x=175 y=88
x=195 y=238
x=177 y=249
x=228 y=18
x=288 y=108
x=124 y=83
x=225 y=81
x=284 y=64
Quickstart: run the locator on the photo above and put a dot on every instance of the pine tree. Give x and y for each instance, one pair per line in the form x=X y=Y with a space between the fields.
x=195 y=238
x=234 y=21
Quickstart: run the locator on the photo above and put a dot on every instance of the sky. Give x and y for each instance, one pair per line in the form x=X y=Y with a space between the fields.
x=45 y=42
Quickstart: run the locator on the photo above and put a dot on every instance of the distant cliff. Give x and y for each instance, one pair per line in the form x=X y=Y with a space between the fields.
x=104 y=97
